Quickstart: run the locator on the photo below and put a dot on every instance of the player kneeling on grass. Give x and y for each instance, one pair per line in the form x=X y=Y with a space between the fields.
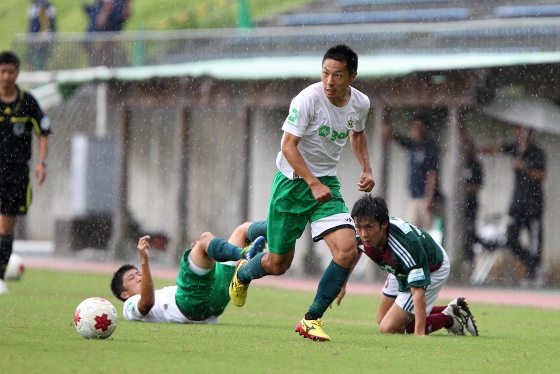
x=420 y=267
x=201 y=293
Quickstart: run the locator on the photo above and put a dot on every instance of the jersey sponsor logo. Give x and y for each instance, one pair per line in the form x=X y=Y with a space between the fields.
x=388 y=268
x=351 y=119
x=130 y=306
x=18 y=128
x=293 y=116
x=325 y=131
x=416 y=275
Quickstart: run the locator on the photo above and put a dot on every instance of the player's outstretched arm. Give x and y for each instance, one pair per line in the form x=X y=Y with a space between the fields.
x=147 y=293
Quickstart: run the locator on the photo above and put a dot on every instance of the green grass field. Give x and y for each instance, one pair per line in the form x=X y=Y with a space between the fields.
x=147 y=14
x=37 y=335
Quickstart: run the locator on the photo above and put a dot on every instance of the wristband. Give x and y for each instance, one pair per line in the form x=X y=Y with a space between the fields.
x=43 y=162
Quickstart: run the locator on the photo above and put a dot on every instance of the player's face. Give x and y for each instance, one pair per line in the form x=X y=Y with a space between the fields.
x=336 y=79
x=8 y=75
x=132 y=281
x=520 y=134
x=417 y=131
x=372 y=233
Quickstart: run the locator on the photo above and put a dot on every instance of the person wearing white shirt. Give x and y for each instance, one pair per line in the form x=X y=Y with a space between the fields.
x=201 y=291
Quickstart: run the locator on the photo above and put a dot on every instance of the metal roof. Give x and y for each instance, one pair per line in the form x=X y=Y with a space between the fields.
x=370 y=66
x=270 y=68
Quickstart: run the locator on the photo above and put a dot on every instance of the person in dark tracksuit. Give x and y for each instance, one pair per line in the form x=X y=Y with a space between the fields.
x=527 y=203
x=20 y=118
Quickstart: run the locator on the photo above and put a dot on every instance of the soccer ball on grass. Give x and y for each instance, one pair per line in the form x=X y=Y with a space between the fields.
x=95 y=318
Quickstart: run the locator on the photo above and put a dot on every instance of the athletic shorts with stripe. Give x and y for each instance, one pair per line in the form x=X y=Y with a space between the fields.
x=292 y=206
x=404 y=299
x=203 y=296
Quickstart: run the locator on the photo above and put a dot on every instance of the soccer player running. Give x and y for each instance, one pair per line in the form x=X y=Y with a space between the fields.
x=20 y=118
x=201 y=294
x=420 y=267
x=306 y=189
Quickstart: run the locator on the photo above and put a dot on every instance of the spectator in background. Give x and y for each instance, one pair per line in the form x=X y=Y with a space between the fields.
x=527 y=203
x=473 y=177
x=42 y=24
x=106 y=16
x=426 y=201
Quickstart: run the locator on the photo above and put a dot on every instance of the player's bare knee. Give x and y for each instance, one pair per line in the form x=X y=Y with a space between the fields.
x=242 y=229
x=206 y=238
x=278 y=266
x=346 y=257
x=385 y=328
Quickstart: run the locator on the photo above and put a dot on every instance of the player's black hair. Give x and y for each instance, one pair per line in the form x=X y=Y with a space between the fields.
x=117 y=284
x=8 y=57
x=370 y=207
x=343 y=53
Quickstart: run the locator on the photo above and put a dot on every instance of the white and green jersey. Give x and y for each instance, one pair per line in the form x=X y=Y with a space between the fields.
x=323 y=128
x=411 y=254
x=164 y=310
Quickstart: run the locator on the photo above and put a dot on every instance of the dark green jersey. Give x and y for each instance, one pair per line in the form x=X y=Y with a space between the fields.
x=411 y=254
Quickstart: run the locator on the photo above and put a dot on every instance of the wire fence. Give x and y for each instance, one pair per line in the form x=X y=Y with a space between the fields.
x=63 y=51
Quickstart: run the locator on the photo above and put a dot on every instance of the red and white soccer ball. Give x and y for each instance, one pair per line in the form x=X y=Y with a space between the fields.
x=15 y=268
x=95 y=318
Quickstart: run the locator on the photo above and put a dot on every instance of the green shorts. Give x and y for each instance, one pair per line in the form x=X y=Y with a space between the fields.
x=203 y=296
x=292 y=206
